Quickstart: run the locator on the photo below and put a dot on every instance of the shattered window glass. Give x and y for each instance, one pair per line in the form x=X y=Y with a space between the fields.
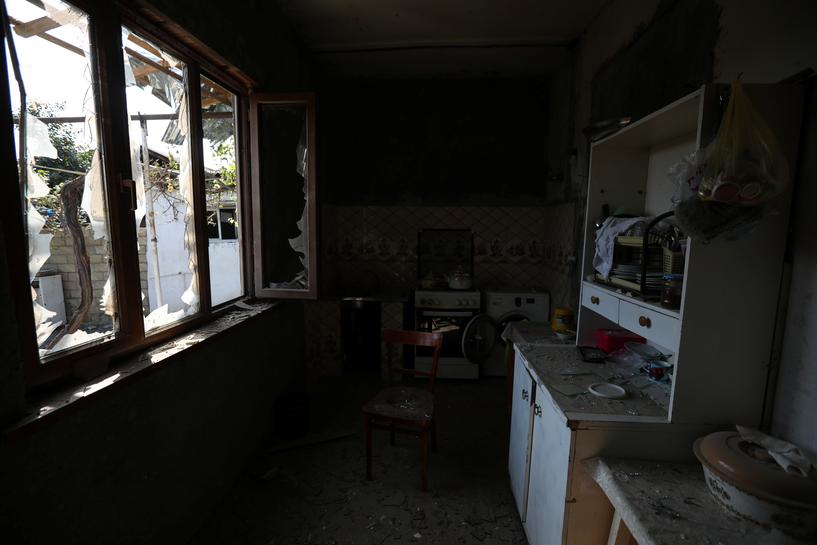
x=221 y=190
x=157 y=105
x=62 y=184
x=284 y=181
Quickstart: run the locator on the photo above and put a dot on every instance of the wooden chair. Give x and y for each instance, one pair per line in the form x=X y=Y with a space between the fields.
x=405 y=409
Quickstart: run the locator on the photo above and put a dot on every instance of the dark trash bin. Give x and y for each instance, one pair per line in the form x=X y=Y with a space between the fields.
x=360 y=336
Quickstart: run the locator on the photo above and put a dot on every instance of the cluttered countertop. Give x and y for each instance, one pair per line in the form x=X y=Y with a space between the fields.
x=667 y=503
x=557 y=366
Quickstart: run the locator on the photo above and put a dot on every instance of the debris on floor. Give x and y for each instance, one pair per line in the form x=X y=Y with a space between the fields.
x=318 y=495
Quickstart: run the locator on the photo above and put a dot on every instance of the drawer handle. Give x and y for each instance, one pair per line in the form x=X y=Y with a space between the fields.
x=594 y=299
x=643 y=321
x=537 y=410
x=524 y=395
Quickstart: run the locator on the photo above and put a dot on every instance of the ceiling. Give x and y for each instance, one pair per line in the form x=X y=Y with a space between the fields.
x=428 y=38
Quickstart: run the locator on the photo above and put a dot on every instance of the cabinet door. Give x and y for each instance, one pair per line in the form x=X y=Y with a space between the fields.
x=519 y=450
x=549 y=466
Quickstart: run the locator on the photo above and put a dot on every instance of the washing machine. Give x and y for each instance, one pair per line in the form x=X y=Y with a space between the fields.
x=504 y=307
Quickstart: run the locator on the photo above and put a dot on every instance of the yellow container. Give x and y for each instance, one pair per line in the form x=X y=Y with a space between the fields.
x=562 y=320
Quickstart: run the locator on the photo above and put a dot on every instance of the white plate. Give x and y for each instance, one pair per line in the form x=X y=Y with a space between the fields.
x=607 y=390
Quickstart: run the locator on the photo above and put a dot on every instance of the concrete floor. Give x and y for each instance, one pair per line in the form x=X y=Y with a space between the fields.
x=318 y=494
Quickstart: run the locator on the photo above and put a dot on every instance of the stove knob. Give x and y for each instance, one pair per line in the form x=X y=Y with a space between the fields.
x=437 y=302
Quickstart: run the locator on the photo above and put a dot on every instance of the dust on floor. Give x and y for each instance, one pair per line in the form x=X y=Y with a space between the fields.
x=318 y=494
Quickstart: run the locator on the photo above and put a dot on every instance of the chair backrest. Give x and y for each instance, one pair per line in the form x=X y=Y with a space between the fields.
x=394 y=338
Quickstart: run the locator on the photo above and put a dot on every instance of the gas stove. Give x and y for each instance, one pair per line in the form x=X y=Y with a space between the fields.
x=447 y=299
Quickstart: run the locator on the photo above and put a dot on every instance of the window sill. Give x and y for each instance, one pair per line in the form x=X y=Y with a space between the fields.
x=45 y=408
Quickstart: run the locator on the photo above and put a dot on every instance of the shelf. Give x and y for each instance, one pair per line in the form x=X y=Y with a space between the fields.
x=674 y=121
x=635 y=300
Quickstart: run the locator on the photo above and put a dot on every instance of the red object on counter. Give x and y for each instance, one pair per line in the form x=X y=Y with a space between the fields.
x=611 y=340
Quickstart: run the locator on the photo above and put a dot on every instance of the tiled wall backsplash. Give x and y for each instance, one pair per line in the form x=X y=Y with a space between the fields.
x=373 y=249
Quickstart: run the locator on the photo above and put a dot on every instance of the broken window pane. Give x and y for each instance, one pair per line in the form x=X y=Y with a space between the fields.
x=160 y=161
x=284 y=182
x=221 y=190
x=62 y=185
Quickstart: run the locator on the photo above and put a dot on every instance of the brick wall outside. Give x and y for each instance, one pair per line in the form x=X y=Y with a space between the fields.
x=62 y=262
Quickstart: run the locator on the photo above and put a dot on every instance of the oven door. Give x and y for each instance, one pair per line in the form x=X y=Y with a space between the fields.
x=451 y=323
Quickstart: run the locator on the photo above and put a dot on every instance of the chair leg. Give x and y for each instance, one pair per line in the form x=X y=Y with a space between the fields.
x=391 y=435
x=368 y=425
x=424 y=460
x=434 y=435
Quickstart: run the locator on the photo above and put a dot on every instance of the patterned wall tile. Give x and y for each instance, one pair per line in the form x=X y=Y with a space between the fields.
x=370 y=249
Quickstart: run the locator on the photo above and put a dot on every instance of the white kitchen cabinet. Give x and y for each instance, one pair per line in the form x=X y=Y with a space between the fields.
x=721 y=336
x=558 y=501
x=550 y=456
x=601 y=301
x=520 y=438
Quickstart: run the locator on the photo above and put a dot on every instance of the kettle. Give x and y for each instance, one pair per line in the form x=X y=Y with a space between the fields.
x=459 y=280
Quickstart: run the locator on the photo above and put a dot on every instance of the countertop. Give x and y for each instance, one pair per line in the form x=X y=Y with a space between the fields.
x=665 y=503
x=556 y=365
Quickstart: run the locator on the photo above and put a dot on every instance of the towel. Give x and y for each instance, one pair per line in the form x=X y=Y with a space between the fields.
x=787 y=455
x=605 y=242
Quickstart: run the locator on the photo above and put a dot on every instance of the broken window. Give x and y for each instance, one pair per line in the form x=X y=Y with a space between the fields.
x=121 y=205
x=61 y=177
x=221 y=190
x=160 y=162
x=284 y=187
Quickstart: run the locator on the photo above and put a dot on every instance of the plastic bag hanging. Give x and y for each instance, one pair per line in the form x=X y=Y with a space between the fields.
x=745 y=164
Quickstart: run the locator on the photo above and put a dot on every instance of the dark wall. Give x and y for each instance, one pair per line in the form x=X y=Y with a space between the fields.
x=667 y=59
x=453 y=142
x=147 y=462
x=252 y=34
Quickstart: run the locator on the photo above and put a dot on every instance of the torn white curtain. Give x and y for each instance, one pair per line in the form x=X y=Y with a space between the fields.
x=93 y=199
x=137 y=171
x=191 y=294
x=36 y=187
x=39 y=244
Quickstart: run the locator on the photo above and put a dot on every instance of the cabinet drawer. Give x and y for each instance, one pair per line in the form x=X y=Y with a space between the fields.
x=600 y=301
x=652 y=325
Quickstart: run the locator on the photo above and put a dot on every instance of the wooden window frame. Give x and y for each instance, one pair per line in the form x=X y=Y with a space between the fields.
x=105 y=23
x=308 y=100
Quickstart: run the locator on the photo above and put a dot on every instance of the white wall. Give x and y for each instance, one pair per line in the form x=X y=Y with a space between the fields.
x=174 y=269
x=767 y=41
x=225 y=270
x=795 y=409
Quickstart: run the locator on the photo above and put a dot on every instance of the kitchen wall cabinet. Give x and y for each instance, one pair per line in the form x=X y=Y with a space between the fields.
x=721 y=336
